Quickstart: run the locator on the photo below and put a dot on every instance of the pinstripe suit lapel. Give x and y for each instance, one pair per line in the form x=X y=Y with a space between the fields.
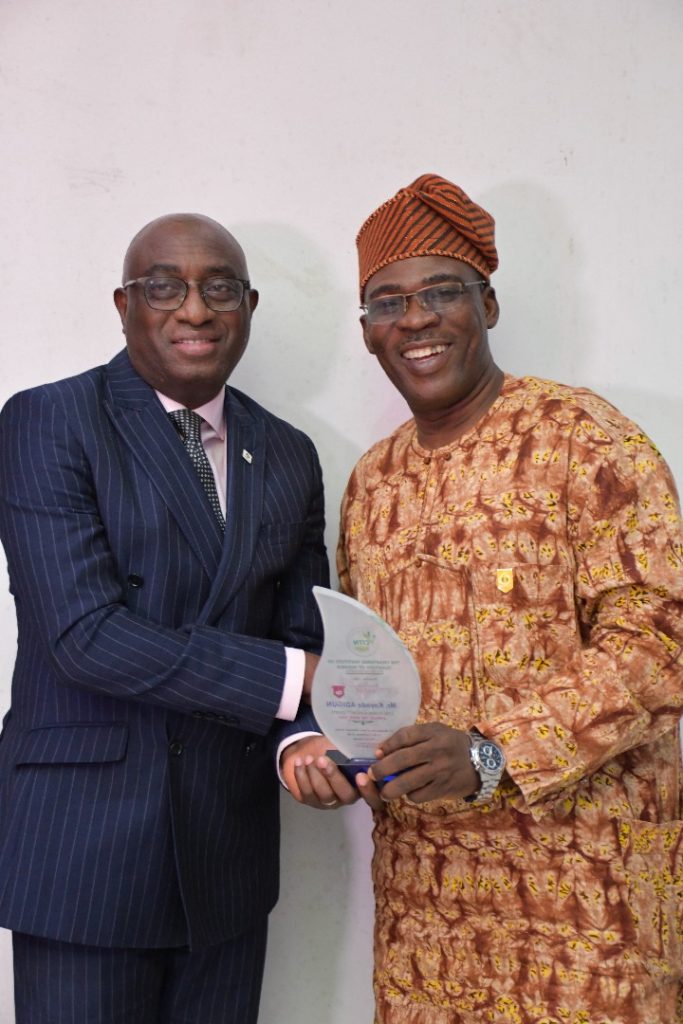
x=141 y=421
x=246 y=458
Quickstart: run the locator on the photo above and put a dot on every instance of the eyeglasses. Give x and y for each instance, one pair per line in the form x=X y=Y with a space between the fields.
x=435 y=299
x=219 y=293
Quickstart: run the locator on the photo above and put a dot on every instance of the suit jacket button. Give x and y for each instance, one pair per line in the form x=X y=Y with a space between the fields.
x=135 y=581
x=175 y=748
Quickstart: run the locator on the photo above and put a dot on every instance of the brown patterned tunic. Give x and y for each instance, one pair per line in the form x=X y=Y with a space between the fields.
x=535 y=570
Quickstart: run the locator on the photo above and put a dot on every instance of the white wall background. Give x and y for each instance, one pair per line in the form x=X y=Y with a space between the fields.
x=290 y=121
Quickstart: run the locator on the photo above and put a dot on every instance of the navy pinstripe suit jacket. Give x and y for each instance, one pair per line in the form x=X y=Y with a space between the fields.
x=138 y=799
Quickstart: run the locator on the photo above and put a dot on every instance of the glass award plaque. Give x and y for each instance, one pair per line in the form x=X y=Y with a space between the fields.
x=366 y=685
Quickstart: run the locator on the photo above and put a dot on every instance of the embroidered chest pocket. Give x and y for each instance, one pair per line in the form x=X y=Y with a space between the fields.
x=525 y=621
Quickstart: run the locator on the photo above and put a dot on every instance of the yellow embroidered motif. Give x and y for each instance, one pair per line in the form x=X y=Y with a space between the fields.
x=505 y=580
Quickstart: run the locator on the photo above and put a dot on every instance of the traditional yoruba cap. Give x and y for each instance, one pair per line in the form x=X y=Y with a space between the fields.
x=431 y=217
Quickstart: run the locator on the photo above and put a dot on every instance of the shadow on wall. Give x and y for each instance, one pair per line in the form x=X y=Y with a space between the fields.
x=298 y=364
x=540 y=272
x=296 y=327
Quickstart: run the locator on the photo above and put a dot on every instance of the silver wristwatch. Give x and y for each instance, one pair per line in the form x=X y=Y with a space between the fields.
x=489 y=763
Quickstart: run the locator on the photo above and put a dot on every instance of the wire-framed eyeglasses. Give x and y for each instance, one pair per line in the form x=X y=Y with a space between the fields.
x=436 y=298
x=221 y=294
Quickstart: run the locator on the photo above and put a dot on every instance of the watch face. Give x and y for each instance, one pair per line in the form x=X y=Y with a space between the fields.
x=490 y=756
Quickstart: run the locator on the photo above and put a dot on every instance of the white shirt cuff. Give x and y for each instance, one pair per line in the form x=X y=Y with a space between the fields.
x=294 y=684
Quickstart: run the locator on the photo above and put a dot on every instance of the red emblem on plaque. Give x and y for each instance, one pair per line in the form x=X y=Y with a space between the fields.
x=338 y=691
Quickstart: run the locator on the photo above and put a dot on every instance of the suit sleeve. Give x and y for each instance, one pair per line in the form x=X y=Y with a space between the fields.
x=68 y=593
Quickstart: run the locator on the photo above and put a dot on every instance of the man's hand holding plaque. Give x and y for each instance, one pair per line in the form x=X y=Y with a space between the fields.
x=366 y=687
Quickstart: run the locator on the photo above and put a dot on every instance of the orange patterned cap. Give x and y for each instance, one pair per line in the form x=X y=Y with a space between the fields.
x=431 y=217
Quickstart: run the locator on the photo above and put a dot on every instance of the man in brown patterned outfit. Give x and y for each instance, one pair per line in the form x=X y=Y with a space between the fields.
x=524 y=540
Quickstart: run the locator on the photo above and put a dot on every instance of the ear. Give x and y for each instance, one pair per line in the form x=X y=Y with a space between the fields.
x=121 y=303
x=253 y=299
x=491 y=307
x=366 y=335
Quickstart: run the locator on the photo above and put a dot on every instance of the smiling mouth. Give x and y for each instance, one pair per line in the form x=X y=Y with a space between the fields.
x=424 y=352
x=199 y=347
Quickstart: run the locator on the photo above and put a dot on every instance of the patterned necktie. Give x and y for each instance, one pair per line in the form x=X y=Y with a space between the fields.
x=188 y=424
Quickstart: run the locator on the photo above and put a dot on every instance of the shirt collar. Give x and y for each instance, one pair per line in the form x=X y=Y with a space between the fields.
x=213 y=411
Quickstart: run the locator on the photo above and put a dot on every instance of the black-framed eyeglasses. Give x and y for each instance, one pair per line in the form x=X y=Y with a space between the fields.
x=436 y=298
x=221 y=294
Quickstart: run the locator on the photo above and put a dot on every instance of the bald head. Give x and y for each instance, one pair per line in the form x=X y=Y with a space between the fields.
x=186 y=353
x=160 y=230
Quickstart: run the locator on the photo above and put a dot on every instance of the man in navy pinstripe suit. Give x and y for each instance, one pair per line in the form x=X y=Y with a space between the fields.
x=161 y=657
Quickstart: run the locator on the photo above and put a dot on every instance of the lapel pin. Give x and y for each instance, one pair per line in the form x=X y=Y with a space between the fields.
x=505 y=580
x=247 y=456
